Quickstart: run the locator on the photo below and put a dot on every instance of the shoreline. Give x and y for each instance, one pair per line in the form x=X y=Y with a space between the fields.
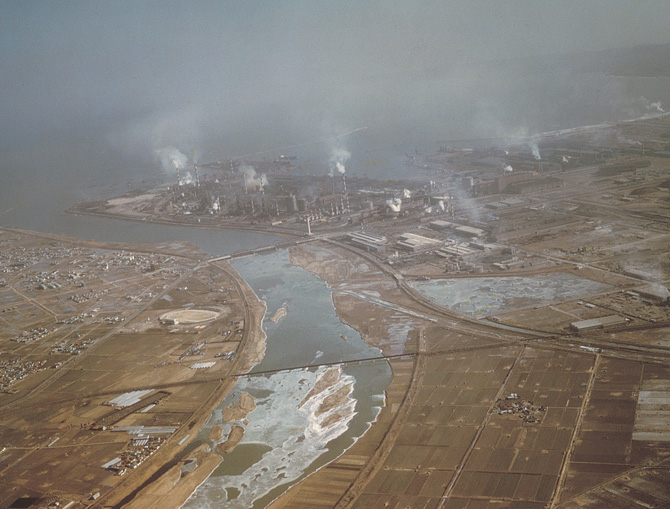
x=266 y=230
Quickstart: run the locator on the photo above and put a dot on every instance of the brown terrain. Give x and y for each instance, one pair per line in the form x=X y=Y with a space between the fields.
x=557 y=402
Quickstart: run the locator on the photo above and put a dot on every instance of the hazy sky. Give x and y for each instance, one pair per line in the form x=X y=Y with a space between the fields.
x=149 y=73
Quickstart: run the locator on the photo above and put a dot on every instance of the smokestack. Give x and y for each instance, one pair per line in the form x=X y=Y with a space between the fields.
x=197 y=178
x=309 y=226
x=346 y=194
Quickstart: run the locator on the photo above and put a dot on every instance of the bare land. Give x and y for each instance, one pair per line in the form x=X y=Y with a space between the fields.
x=80 y=329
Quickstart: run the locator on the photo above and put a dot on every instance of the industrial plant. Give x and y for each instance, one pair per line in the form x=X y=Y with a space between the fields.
x=517 y=296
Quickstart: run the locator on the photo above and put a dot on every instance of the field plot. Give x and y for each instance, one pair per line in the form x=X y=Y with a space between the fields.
x=641 y=488
x=454 y=397
x=519 y=459
x=623 y=428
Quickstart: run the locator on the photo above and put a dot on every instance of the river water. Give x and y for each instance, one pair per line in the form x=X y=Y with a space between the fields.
x=286 y=438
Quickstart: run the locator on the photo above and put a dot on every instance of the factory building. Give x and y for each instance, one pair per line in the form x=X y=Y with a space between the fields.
x=658 y=293
x=469 y=231
x=598 y=323
x=368 y=241
x=457 y=250
x=416 y=243
x=536 y=185
x=439 y=224
x=466 y=231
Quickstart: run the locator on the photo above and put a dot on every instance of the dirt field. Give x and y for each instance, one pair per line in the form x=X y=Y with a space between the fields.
x=80 y=328
x=440 y=442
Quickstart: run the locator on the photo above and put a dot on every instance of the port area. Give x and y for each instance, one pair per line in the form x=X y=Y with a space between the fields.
x=111 y=359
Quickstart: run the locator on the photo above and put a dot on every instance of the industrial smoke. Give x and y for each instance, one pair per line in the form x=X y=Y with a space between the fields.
x=656 y=106
x=171 y=158
x=252 y=179
x=216 y=204
x=394 y=204
x=338 y=157
x=536 y=151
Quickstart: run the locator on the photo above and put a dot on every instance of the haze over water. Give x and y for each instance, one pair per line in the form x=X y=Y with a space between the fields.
x=48 y=176
x=89 y=92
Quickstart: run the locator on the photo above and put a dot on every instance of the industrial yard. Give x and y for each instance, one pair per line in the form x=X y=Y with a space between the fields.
x=519 y=295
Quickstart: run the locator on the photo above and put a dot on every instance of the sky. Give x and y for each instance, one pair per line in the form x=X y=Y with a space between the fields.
x=133 y=76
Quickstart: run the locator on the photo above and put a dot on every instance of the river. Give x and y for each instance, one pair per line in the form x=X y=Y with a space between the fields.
x=286 y=438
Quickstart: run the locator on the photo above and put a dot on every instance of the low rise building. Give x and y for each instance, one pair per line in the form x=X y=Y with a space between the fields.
x=416 y=243
x=658 y=293
x=602 y=322
x=368 y=241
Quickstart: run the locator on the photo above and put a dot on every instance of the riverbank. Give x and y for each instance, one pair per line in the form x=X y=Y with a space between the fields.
x=379 y=327
x=149 y=490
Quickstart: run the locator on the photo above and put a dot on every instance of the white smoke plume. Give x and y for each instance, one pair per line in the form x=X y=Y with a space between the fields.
x=536 y=151
x=406 y=193
x=216 y=204
x=187 y=180
x=171 y=158
x=338 y=157
x=440 y=204
x=394 y=204
x=622 y=139
x=252 y=179
x=565 y=159
x=656 y=106
x=508 y=169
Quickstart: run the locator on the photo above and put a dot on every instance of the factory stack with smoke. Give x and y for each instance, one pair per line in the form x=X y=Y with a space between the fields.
x=252 y=181
x=338 y=157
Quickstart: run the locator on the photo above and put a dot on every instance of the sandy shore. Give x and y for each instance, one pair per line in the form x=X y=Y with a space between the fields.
x=216 y=434
x=238 y=411
x=281 y=313
x=236 y=435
